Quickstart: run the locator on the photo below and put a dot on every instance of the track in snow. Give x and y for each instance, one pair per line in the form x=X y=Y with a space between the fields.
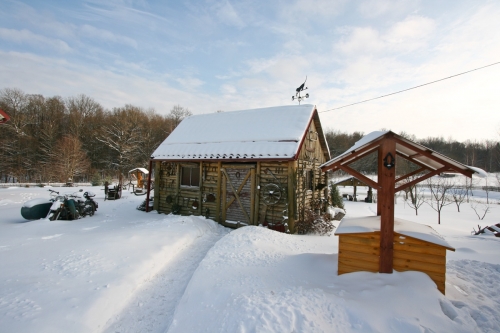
x=152 y=308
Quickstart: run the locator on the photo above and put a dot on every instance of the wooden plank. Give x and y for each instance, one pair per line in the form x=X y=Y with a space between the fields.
x=420 y=266
x=373 y=258
x=263 y=214
x=418 y=248
x=256 y=206
x=430 y=258
x=177 y=178
x=368 y=241
x=238 y=166
x=386 y=181
x=361 y=265
x=200 y=202
x=343 y=246
x=415 y=241
x=223 y=196
x=243 y=183
x=236 y=195
x=253 y=219
x=360 y=176
x=291 y=198
x=218 y=195
x=156 y=200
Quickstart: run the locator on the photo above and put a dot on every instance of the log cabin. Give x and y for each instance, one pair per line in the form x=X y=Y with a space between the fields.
x=248 y=167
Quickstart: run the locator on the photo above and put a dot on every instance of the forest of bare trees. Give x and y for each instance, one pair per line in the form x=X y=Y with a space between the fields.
x=51 y=139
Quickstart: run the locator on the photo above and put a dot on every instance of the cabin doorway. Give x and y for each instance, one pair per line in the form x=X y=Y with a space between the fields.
x=238 y=189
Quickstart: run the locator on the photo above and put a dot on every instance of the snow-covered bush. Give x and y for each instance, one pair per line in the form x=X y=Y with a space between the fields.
x=315 y=223
x=335 y=197
x=96 y=180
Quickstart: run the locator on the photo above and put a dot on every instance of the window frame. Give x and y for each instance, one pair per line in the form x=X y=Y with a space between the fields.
x=190 y=167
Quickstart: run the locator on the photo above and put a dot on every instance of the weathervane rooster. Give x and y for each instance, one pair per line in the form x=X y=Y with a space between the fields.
x=298 y=91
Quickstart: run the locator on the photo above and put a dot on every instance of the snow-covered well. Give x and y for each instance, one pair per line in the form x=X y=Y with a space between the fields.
x=417 y=247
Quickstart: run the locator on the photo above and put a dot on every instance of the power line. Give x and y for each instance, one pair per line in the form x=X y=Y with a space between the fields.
x=397 y=92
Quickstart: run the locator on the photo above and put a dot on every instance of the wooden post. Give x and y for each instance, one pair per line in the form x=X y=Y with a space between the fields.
x=201 y=190
x=156 y=201
x=256 y=207
x=218 y=195
x=387 y=177
x=380 y=166
x=291 y=196
x=149 y=185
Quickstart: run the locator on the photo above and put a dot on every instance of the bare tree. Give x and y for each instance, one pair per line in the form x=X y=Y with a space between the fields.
x=481 y=207
x=176 y=115
x=416 y=199
x=122 y=136
x=69 y=160
x=439 y=188
x=458 y=194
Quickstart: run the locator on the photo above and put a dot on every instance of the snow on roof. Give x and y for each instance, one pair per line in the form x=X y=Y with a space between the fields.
x=145 y=171
x=411 y=229
x=274 y=132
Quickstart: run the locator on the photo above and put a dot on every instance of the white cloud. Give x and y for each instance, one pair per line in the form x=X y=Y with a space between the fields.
x=190 y=83
x=411 y=33
x=228 y=89
x=107 y=36
x=374 y=8
x=407 y=35
x=361 y=41
x=27 y=37
x=226 y=14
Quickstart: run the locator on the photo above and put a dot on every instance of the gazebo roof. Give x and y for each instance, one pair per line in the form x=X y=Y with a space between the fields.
x=415 y=152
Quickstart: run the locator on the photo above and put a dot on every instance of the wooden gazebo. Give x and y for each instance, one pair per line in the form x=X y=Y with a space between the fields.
x=388 y=145
x=355 y=183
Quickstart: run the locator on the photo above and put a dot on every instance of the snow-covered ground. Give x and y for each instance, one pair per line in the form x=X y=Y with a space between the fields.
x=124 y=270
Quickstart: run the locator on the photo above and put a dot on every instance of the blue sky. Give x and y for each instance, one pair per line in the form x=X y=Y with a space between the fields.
x=231 y=55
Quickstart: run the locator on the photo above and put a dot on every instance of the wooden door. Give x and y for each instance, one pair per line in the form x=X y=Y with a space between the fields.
x=238 y=188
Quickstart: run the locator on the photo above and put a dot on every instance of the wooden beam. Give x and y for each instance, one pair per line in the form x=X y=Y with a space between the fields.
x=353 y=156
x=149 y=185
x=434 y=157
x=411 y=174
x=387 y=177
x=156 y=200
x=420 y=179
x=359 y=176
x=218 y=191
x=420 y=164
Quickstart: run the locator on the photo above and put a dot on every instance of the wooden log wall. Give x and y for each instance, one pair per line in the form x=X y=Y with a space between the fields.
x=280 y=170
x=361 y=252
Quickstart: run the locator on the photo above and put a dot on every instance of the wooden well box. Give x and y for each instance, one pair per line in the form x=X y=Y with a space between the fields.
x=417 y=247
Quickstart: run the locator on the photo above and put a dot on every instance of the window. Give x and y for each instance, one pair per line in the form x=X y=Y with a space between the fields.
x=190 y=176
x=309 y=179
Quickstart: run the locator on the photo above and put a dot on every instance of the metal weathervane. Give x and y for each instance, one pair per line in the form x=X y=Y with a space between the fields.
x=298 y=91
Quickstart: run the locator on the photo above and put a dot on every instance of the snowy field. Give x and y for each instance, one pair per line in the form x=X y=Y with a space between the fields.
x=124 y=270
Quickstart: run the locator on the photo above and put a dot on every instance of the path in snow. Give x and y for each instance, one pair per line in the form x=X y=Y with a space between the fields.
x=152 y=308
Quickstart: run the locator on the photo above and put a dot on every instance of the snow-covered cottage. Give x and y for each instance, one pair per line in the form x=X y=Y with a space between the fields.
x=248 y=167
